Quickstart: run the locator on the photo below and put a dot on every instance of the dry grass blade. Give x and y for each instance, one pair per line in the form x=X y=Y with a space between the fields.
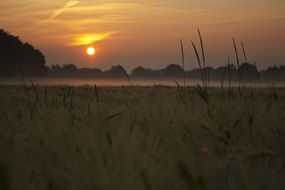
x=223 y=77
x=35 y=92
x=244 y=53
x=256 y=70
x=245 y=59
x=183 y=61
x=236 y=53
x=202 y=93
x=238 y=63
x=126 y=75
x=181 y=95
x=230 y=74
x=254 y=63
x=207 y=75
x=109 y=138
x=202 y=48
x=113 y=116
x=97 y=94
x=199 y=62
x=23 y=79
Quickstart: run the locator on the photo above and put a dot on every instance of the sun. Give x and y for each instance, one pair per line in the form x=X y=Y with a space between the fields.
x=90 y=51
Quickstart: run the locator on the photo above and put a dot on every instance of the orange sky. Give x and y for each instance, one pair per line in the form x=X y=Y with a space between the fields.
x=147 y=33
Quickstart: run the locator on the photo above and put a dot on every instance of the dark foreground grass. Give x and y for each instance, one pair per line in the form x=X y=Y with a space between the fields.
x=86 y=138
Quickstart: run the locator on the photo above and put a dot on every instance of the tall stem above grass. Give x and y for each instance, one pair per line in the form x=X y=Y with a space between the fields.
x=183 y=62
x=199 y=63
x=223 y=77
x=207 y=75
x=245 y=59
x=230 y=74
x=238 y=63
x=244 y=53
x=126 y=75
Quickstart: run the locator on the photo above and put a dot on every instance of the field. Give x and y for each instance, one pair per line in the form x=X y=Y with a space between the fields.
x=103 y=138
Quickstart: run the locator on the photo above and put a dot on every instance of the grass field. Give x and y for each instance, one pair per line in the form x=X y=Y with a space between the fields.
x=91 y=138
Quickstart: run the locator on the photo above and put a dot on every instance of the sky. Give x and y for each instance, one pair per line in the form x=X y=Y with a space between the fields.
x=146 y=33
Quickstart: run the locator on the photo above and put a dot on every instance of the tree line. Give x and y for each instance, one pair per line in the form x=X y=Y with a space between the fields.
x=19 y=58
x=246 y=72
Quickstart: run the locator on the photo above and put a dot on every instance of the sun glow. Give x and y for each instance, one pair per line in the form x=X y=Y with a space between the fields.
x=90 y=51
x=85 y=39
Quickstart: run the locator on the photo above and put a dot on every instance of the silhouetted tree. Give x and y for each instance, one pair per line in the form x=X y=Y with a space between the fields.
x=55 y=68
x=18 y=58
x=173 y=71
x=69 y=68
x=141 y=72
x=115 y=72
x=248 y=72
x=71 y=71
x=274 y=73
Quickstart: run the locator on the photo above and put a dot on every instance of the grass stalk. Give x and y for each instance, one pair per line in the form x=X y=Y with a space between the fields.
x=183 y=62
x=244 y=53
x=245 y=59
x=126 y=75
x=230 y=74
x=238 y=65
x=223 y=77
x=199 y=63
x=207 y=75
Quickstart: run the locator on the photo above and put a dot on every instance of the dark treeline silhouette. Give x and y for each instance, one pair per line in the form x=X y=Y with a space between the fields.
x=248 y=73
x=274 y=73
x=22 y=59
x=71 y=71
x=18 y=58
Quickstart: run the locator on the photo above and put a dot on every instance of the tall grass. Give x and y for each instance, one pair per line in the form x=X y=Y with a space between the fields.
x=238 y=65
x=229 y=73
x=244 y=53
x=199 y=64
x=207 y=74
x=183 y=62
x=126 y=75
x=225 y=143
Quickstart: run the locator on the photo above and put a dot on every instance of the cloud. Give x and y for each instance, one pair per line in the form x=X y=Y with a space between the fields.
x=108 y=7
x=87 y=39
x=57 y=12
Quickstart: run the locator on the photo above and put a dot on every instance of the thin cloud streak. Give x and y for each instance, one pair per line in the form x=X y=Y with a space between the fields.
x=52 y=18
x=108 y=7
x=65 y=7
